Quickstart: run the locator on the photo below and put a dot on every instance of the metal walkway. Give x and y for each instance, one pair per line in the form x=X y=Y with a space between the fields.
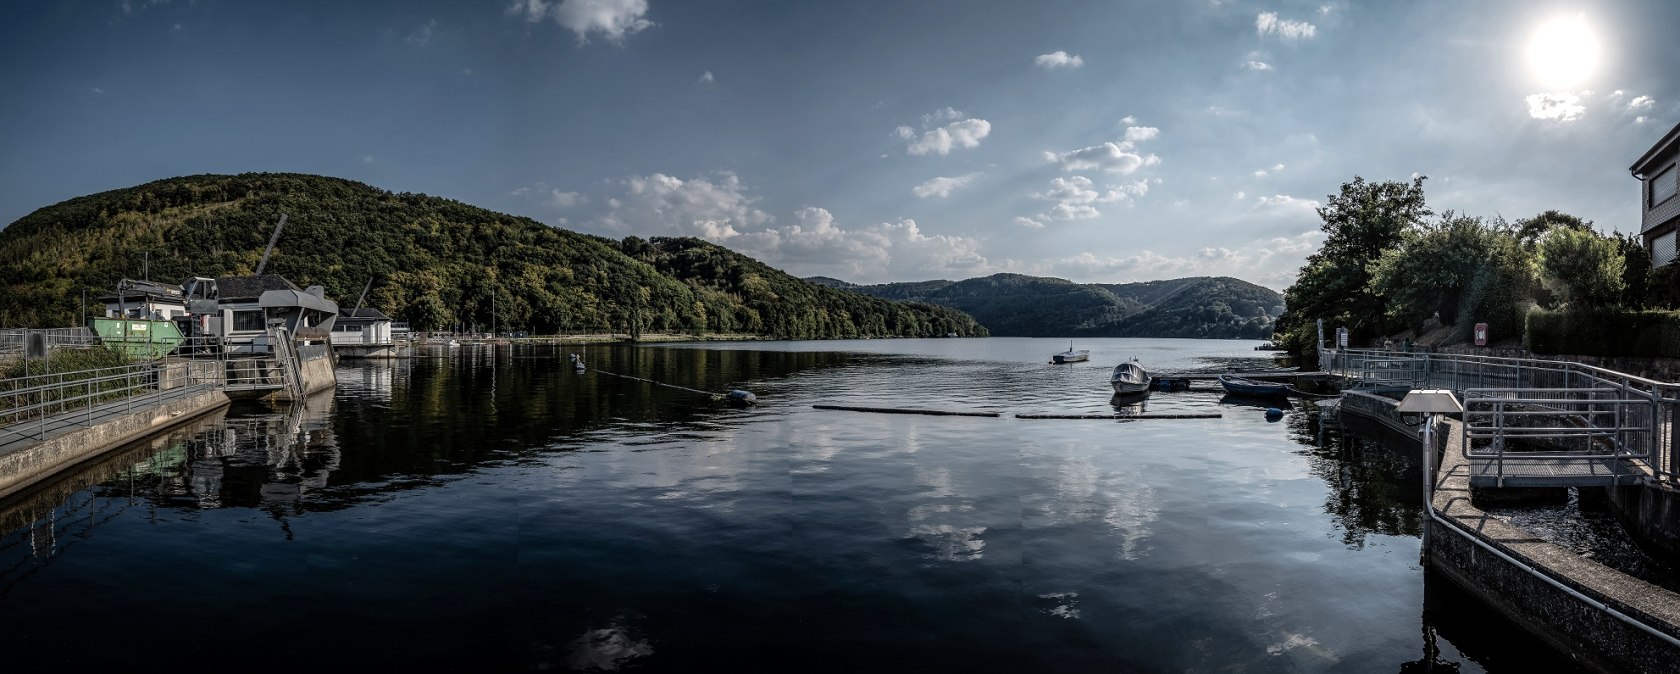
x=33 y=432
x=1537 y=423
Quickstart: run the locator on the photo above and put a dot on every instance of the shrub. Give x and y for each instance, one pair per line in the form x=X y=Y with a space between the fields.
x=1605 y=332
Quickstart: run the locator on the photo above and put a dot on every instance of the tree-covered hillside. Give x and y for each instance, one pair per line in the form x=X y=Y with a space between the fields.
x=1033 y=306
x=434 y=262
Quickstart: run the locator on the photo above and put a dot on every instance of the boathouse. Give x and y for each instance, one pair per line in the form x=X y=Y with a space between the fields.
x=1659 y=208
x=363 y=333
x=247 y=303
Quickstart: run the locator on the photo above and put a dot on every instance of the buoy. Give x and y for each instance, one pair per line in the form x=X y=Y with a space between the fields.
x=742 y=397
x=1273 y=414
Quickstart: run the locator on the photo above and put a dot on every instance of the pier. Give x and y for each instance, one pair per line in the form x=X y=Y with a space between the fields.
x=1531 y=424
x=55 y=420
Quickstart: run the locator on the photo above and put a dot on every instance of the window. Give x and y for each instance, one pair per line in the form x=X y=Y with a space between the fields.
x=1663 y=186
x=1662 y=250
x=248 y=320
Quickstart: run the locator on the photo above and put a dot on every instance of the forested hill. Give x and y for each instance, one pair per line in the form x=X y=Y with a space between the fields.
x=434 y=262
x=1035 y=306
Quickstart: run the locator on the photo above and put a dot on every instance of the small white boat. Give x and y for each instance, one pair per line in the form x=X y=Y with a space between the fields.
x=454 y=343
x=1071 y=356
x=1130 y=377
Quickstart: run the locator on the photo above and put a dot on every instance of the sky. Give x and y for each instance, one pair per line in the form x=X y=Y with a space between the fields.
x=868 y=141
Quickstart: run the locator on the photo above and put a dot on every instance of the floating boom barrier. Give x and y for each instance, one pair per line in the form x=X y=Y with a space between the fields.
x=734 y=396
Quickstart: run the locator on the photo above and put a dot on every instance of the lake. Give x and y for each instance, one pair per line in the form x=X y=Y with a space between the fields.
x=491 y=509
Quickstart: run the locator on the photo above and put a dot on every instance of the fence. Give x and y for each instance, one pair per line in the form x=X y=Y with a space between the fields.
x=13 y=342
x=34 y=405
x=1589 y=411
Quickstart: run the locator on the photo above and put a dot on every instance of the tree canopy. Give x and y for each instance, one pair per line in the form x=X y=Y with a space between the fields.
x=434 y=262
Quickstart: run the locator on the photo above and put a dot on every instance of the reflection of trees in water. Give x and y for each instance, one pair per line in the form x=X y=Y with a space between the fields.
x=1375 y=487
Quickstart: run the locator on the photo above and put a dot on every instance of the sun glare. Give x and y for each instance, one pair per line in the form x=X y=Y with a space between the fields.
x=1563 y=52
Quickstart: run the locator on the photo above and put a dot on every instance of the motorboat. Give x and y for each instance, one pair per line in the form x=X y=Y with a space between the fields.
x=1071 y=356
x=1129 y=377
x=1249 y=387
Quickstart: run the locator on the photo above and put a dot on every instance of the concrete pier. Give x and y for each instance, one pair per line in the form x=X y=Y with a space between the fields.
x=60 y=442
x=1605 y=619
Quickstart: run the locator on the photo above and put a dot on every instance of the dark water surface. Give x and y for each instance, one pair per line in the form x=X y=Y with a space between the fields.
x=483 y=509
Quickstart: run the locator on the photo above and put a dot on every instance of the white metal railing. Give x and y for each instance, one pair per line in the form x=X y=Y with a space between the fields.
x=1596 y=412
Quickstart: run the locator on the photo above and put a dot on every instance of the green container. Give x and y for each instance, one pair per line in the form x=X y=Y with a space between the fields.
x=138 y=338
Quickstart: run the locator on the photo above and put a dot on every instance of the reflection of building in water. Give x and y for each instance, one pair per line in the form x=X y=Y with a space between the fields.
x=263 y=457
x=372 y=379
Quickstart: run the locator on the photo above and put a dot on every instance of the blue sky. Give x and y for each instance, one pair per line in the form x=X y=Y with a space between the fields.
x=1095 y=141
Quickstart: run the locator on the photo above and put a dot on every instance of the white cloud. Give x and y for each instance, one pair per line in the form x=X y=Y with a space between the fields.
x=1137 y=133
x=420 y=35
x=1274 y=262
x=561 y=199
x=98 y=91
x=705 y=77
x=942 y=187
x=1277 y=167
x=1641 y=103
x=1258 y=65
x=1284 y=202
x=1557 y=107
x=1128 y=120
x=1640 y=119
x=948 y=114
x=1268 y=23
x=961 y=133
x=1260 y=173
x=719 y=208
x=1076 y=198
x=553 y=197
x=1222 y=111
x=1058 y=59
x=613 y=19
x=1112 y=157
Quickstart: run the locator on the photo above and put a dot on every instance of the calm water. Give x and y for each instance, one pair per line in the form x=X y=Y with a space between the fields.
x=483 y=510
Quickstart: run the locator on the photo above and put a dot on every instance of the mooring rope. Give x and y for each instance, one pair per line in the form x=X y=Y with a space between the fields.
x=715 y=396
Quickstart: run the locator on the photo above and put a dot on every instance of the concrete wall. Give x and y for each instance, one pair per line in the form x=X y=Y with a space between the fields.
x=1650 y=513
x=315 y=361
x=23 y=467
x=1594 y=639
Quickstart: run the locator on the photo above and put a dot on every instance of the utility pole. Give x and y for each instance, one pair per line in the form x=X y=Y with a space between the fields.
x=146 y=266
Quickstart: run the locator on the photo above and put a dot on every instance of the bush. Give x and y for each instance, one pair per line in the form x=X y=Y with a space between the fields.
x=1605 y=332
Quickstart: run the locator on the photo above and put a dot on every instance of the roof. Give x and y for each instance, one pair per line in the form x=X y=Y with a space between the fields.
x=251 y=287
x=363 y=313
x=1657 y=151
x=144 y=289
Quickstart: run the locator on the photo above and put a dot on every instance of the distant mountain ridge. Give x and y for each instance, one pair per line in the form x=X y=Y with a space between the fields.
x=1018 y=305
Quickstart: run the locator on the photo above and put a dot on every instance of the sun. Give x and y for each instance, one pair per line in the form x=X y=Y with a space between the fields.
x=1563 y=52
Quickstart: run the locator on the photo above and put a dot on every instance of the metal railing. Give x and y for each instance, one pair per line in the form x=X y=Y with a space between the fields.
x=13 y=341
x=35 y=405
x=1580 y=412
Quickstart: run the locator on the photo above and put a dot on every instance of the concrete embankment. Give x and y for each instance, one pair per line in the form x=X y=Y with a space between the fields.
x=1605 y=619
x=25 y=463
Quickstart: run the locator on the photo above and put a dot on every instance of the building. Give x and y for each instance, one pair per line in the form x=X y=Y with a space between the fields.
x=145 y=300
x=1660 y=208
x=246 y=305
x=363 y=333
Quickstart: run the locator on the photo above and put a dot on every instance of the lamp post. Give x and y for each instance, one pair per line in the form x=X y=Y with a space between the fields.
x=1430 y=403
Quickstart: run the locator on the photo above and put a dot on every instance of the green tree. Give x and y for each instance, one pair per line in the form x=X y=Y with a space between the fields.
x=1361 y=223
x=1582 y=268
x=1531 y=230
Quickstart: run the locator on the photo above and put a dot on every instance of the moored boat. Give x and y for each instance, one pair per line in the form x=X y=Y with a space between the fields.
x=1129 y=377
x=1250 y=387
x=1071 y=356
